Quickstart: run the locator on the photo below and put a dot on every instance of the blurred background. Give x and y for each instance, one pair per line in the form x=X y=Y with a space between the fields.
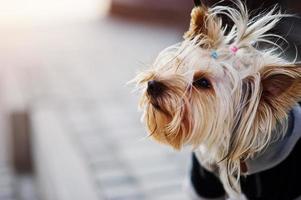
x=69 y=126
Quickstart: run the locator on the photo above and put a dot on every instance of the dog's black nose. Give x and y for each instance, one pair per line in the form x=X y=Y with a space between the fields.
x=155 y=88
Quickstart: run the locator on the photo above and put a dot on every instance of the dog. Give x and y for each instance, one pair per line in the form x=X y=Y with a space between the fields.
x=235 y=104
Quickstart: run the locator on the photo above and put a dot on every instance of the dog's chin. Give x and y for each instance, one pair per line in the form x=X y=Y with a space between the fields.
x=158 y=121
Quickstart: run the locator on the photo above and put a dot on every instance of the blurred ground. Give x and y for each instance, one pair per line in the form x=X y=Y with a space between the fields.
x=72 y=75
x=6 y=172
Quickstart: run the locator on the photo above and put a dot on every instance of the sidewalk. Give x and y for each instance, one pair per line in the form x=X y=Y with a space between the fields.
x=77 y=72
x=7 y=179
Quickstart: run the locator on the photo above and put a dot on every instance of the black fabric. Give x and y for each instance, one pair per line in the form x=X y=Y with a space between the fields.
x=205 y=183
x=279 y=183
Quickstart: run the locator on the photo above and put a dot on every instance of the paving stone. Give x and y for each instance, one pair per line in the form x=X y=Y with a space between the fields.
x=120 y=191
x=150 y=170
x=173 y=196
x=138 y=164
x=162 y=189
x=26 y=187
x=113 y=173
x=129 y=197
x=7 y=176
x=116 y=181
x=81 y=78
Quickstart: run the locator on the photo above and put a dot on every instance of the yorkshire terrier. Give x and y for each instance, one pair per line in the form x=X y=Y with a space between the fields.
x=235 y=104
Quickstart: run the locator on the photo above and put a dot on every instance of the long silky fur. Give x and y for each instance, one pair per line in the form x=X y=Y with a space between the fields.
x=232 y=121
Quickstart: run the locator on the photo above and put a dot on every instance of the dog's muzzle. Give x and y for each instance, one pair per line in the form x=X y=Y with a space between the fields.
x=155 y=88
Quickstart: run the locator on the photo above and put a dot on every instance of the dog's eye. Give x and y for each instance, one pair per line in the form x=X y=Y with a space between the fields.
x=202 y=83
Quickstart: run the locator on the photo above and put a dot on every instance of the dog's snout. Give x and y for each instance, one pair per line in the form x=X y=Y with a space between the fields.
x=155 y=88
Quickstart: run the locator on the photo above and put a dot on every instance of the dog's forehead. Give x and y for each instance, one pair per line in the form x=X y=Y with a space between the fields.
x=204 y=60
x=221 y=61
x=186 y=59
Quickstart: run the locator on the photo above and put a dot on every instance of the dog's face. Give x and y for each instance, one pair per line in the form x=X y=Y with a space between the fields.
x=216 y=89
x=186 y=97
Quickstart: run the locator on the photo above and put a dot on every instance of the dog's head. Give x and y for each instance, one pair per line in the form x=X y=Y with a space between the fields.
x=217 y=89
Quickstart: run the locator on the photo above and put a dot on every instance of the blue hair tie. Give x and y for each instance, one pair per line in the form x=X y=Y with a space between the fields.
x=214 y=55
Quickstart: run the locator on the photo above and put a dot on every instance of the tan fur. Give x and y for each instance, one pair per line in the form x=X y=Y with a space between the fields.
x=250 y=93
x=204 y=24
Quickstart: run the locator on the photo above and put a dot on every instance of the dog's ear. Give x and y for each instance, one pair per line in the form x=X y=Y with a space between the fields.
x=204 y=25
x=281 y=88
x=197 y=26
